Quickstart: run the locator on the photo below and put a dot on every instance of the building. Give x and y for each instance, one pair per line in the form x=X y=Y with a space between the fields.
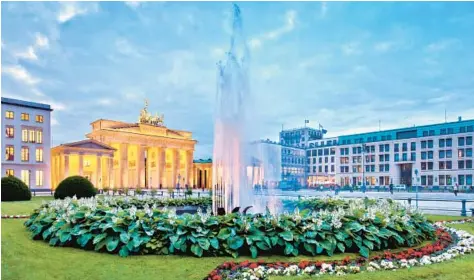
x=119 y=154
x=299 y=137
x=321 y=157
x=27 y=141
x=202 y=171
x=429 y=155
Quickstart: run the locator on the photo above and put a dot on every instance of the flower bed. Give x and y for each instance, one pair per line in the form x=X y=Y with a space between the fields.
x=15 y=216
x=450 y=243
x=101 y=224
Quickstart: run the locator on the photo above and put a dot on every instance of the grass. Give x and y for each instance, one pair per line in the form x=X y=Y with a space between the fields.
x=23 y=258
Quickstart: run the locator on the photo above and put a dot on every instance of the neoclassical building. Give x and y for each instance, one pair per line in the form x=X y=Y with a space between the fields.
x=117 y=154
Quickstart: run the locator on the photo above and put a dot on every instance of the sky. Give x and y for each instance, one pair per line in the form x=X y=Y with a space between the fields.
x=344 y=65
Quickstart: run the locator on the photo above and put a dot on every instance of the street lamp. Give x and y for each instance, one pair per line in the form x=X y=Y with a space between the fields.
x=363 y=167
x=416 y=176
x=146 y=169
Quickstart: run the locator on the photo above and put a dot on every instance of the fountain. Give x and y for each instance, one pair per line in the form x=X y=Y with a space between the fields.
x=231 y=156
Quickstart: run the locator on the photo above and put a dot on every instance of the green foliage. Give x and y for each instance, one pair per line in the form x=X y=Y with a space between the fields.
x=14 y=189
x=125 y=226
x=138 y=191
x=74 y=186
x=105 y=189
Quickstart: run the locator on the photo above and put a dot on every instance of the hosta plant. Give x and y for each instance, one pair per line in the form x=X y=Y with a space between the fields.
x=102 y=224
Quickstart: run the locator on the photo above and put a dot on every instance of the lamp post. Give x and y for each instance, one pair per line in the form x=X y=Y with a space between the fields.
x=416 y=176
x=146 y=169
x=363 y=167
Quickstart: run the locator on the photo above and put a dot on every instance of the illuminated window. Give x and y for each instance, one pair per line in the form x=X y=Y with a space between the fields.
x=39 y=154
x=39 y=177
x=31 y=139
x=39 y=118
x=25 y=116
x=10 y=131
x=10 y=172
x=25 y=154
x=9 y=153
x=39 y=136
x=87 y=163
x=24 y=135
x=25 y=177
x=9 y=115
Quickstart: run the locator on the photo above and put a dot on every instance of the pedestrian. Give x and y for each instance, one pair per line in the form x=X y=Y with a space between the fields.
x=391 y=188
x=455 y=189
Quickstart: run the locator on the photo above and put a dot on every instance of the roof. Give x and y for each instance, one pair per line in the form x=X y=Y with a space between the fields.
x=27 y=104
x=88 y=141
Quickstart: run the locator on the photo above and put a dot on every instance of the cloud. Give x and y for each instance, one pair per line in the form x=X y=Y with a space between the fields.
x=441 y=45
x=41 y=42
x=324 y=9
x=19 y=73
x=69 y=10
x=383 y=46
x=105 y=101
x=290 y=18
x=124 y=47
x=133 y=4
x=351 y=48
x=440 y=99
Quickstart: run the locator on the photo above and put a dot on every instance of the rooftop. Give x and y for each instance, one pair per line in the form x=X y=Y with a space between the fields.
x=27 y=104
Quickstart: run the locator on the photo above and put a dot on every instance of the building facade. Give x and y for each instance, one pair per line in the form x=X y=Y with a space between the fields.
x=202 y=172
x=117 y=154
x=321 y=157
x=26 y=141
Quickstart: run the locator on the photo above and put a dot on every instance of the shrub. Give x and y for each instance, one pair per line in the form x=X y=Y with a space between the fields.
x=154 y=231
x=75 y=186
x=14 y=189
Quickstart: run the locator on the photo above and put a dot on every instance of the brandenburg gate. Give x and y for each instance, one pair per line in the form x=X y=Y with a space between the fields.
x=117 y=154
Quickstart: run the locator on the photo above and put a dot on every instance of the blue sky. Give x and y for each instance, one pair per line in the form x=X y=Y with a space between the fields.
x=344 y=65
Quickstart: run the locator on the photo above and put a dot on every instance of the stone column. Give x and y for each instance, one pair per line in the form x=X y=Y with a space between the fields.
x=189 y=167
x=123 y=165
x=160 y=165
x=98 y=172
x=81 y=164
x=110 y=168
x=140 y=166
x=174 y=169
x=66 y=165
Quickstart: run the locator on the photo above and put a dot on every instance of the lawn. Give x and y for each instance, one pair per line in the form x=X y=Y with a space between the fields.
x=23 y=258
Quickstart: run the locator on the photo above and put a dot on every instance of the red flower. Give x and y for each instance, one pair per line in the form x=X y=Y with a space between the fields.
x=253 y=265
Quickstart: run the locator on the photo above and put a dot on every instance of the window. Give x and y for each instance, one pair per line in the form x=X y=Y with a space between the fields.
x=332 y=168
x=9 y=153
x=430 y=155
x=31 y=139
x=24 y=135
x=326 y=169
x=423 y=155
x=442 y=131
x=397 y=157
x=469 y=152
x=449 y=142
x=450 y=130
x=413 y=156
x=423 y=166
x=469 y=140
x=441 y=154
x=430 y=144
x=469 y=180
x=461 y=179
x=25 y=154
x=320 y=169
x=387 y=167
x=39 y=118
x=39 y=154
x=430 y=165
x=320 y=160
x=325 y=159
x=431 y=133
x=381 y=148
x=39 y=177
x=425 y=133
x=9 y=115
x=25 y=177
x=461 y=141
x=381 y=167
x=449 y=165
x=461 y=153
x=404 y=147
x=441 y=180
x=387 y=157
x=396 y=147
x=10 y=172
x=461 y=164
x=39 y=136
x=413 y=146
x=442 y=143
x=430 y=180
x=442 y=165
x=332 y=159
x=9 y=131
x=469 y=164
x=381 y=157
x=423 y=144
x=462 y=129
x=404 y=157
x=470 y=128
x=25 y=116
x=423 y=180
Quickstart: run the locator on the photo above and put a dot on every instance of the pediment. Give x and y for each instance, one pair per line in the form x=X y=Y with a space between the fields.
x=89 y=144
